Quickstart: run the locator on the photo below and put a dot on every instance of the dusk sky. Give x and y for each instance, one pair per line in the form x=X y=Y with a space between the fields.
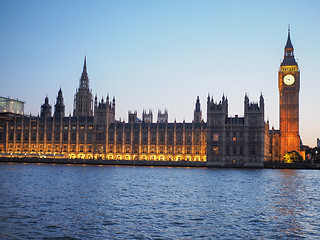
x=161 y=54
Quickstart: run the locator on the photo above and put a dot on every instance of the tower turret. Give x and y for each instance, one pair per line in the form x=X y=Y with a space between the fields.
x=254 y=111
x=104 y=111
x=162 y=117
x=147 y=117
x=83 y=97
x=45 y=108
x=59 y=108
x=197 y=115
x=217 y=114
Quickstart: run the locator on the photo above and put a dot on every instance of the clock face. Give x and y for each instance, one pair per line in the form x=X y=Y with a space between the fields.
x=288 y=79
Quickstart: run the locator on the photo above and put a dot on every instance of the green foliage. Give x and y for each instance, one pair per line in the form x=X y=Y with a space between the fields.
x=292 y=157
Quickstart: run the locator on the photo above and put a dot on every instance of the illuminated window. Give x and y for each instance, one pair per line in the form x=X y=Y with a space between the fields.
x=161 y=149
x=197 y=150
x=188 y=149
x=216 y=137
x=128 y=149
x=215 y=150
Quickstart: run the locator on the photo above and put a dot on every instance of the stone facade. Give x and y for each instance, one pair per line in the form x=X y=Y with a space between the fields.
x=101 y=137
x=289 y=87
x=235 y=140
x=94 y=133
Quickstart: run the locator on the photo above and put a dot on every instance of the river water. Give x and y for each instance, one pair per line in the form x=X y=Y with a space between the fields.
x=43 y=201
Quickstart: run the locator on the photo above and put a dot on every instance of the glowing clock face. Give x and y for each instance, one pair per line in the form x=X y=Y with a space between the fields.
x=288 y=79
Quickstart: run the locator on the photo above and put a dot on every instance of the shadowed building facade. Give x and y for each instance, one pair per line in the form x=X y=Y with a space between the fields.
x=236 y=140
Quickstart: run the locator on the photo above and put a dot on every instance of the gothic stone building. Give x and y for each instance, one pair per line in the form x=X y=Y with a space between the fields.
x=94 y=132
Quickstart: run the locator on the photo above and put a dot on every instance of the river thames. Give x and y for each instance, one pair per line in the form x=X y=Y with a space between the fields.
x=43 y=201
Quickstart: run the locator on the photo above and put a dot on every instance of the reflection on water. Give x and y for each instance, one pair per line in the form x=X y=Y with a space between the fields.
x=81 y=202
x=287 y=202
x=294 y=202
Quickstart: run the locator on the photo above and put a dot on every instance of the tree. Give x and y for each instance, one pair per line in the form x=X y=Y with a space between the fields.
x=292 y=157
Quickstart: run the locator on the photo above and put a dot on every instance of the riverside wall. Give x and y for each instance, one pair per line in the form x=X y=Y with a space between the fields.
x=268 y=165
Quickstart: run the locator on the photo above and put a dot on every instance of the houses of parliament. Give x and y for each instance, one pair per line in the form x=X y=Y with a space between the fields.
x=93 y=132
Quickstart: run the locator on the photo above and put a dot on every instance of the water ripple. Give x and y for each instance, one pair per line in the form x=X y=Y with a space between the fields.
x=90 y=202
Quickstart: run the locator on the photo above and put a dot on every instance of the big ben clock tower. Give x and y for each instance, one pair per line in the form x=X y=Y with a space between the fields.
x=289 y=86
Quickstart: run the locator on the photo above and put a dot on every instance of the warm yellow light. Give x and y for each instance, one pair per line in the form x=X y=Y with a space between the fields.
x=287 y=158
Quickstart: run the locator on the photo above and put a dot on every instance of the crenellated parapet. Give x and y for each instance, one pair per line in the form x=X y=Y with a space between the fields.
x=104 y=110
x=147 y=116
x=162 y=117
x=221 y=106
x=217 y=112
x=253 y=106
x=254 y=111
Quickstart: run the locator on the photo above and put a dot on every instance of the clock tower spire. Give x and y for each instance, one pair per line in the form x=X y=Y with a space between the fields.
x=289 y=87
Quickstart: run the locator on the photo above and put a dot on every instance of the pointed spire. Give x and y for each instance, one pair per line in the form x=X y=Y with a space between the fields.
x=197 y=106
x=85 y=65
x=96 y=101
x=288 y=59
x=83 y=96
x=289 y=44
x=59 y=108
x=261 y=98
x=113 y=103
x=60 y=93
x=60 y=97
x=84 y=80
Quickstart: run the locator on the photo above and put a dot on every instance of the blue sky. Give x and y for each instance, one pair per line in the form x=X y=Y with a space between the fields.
x=160 y=54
